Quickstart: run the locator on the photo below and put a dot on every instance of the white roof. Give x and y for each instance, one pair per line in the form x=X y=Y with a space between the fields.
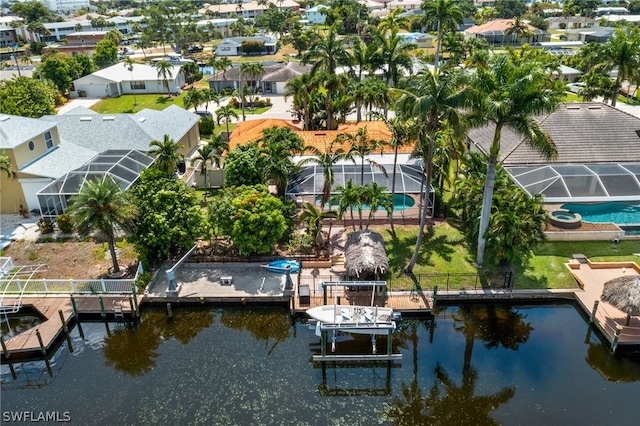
x=119 y=73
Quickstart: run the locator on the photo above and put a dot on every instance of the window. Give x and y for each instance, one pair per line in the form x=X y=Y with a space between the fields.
x=48 y=139
x=32 y=146
x=137 y=85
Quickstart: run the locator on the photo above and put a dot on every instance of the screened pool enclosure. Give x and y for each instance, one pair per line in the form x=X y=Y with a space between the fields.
x=122 y=166
x=307 y=184
x=580 y=183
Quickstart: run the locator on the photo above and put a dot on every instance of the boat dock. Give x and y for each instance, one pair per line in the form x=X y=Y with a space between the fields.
x=58 y=314
x=610 y=321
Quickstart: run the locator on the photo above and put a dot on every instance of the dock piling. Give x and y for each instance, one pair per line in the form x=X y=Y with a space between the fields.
x=614 y=343
x=592 y=318
x=169 y=310
x=6 y=352
x=435 y=296
x=44 y=352
x=73 y=305
x=134 y=291
x=64 y=324
x=103 y=312
x=133 y=311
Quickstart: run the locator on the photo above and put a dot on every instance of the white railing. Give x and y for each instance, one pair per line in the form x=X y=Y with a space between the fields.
x=70 y=286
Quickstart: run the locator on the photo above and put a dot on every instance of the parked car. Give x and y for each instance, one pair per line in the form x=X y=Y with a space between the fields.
x=203 y=113
x=194 y=49
x=575 y=87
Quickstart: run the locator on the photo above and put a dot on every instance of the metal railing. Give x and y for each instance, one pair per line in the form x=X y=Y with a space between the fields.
x=70 y=286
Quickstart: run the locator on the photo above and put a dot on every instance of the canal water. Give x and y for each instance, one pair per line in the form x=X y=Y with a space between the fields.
x=472 y=364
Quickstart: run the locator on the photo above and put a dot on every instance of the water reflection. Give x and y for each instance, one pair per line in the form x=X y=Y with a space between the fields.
x=132 y=348
x=265 y=326
x=619 y=368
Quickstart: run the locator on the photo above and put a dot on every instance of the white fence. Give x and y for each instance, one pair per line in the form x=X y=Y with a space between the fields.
x=70 y=286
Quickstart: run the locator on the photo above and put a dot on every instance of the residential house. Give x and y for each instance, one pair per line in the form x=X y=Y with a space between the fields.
x=245 y=10
x=587 y=35
x=273 y=81
x=560 y=22
x=317 y=14
x=45 y=152
x=222 y=25
x=404 y=4
x=78 y=43
x=419 y=39
x=233 y=46
x=496 y=32
x=117 y=80
x=598 y=157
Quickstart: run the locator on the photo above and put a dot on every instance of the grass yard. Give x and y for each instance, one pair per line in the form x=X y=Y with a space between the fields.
x=250 y=111
x=445 y=250
x=125 y=103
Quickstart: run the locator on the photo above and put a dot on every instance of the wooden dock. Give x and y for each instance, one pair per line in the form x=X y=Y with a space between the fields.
x=37 y=341
x=592 y=276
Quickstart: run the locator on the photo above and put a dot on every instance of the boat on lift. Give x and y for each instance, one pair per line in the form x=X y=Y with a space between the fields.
x=355 y=319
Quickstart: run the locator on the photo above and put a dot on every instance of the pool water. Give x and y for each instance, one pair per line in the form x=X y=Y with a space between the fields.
x=400 y=202
x=616 y=212
x=479 y=364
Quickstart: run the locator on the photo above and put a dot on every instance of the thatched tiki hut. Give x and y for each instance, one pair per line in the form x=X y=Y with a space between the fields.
x=365 y=257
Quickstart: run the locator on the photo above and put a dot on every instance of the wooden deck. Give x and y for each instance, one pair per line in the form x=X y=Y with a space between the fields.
x=27 y=343
x=405 y=302
x=592 y=277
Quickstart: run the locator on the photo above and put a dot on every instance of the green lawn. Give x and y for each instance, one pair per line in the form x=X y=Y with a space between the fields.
x=250 y=111
x=446 y=251
x=124 y=104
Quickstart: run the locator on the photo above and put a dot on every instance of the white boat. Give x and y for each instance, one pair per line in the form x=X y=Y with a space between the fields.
x=354 y=319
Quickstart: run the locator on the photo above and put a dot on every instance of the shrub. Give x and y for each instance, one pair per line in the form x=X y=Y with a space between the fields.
x=65 y=223
x=143 y=279
x=206 y=125
x=45 y=226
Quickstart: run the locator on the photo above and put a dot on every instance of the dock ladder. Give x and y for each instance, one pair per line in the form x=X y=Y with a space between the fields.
x=117 y=310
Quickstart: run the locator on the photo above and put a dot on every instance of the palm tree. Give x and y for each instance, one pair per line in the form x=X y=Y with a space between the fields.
x=165 y=71
x=226 y=113
x=361 y=146
x=395 y=55
x=301 y=89
x=252 y=70
x=509 y=95
x=204 y=155
x=444 y=14
x=376 y=197
x=5 y=164
x=393 y=22
x=432 y=100
x=518 y=29
x=313 y=217
x=622 y=51
x=222 y=65
x=219 y=146
x=210 y=95
x=128 y=64
x=101 y=205
x=193 y=97
x=167 y=154
x=326 y=160
x=348 y=197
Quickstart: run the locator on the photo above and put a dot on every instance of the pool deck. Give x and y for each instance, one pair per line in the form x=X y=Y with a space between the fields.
x=592 y=276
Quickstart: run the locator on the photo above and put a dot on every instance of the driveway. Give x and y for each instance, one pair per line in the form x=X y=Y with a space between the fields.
x=76 y=102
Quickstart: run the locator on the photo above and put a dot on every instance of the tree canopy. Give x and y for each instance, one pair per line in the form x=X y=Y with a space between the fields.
x=27 y=97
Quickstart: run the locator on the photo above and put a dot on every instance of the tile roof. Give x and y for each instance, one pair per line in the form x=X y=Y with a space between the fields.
x=119 y=72
x=499 y=26
x=584 y=133
x=250 y=131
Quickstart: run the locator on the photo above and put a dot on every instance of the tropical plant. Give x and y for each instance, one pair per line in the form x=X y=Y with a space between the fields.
x=27 y=97
x=509 y=95
x=326 y=159
x=444 y=15
x=350 y=196
x=301 y=88
x=5 y=164
x=361 y=146
x=226 y=113
x=103 y=206
x=165 y=71
x=278 y=145
x=433 y=99
x=313 y=217
x=518 y=29
x=128 y=64
x=167 y=154
x=204 y=155
x=377 y=197
x=622 y=51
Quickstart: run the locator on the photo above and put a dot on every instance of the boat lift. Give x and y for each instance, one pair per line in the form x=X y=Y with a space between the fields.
x=17 y=283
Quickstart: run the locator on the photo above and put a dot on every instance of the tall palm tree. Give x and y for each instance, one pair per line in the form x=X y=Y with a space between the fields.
x=393 y=22
x=326 y=160
x=222 y=65
x=349 y=196
x=167 y=154
x=432 y=100
x=165 y=71
x=361 y=146
x=509 y=95
x=128 y=64
x=444 y=14
x=193 y=97
x=518 y=29
x=395 y=54
x=365 y=57
x=226 y=113
x=376 y=197
x=252 y=70
x=219 y=146
x=301 y=89
x=622 y=51
x=204 y=155
x=101 y=205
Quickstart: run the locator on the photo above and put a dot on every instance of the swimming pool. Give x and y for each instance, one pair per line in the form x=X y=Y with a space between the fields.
x=400 y=202
x=616 y=212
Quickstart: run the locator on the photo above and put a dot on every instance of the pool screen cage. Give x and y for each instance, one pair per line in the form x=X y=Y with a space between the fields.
x=308 y=183
x=122 y=166
x=580 y=183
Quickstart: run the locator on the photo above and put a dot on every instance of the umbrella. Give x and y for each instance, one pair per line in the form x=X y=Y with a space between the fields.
x=623 y=293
